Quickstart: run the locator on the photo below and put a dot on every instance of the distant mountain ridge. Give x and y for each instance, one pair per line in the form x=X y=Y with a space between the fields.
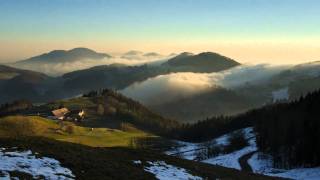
x=136 y=55
x=119 y=77
x=114 y=76
x=60 y=56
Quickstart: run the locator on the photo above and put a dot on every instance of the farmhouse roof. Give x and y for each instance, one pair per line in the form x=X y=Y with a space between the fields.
x=60 y=112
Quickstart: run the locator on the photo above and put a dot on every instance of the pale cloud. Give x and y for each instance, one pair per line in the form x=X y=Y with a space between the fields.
x=166 y=88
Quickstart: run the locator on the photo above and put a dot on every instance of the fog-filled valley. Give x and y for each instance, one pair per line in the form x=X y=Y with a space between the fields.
x=179 y=86
x=166 y=90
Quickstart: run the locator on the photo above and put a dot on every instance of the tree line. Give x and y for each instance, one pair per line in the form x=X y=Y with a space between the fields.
x=290 y=132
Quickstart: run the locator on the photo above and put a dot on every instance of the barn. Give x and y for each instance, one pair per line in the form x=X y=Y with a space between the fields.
x=60 y=113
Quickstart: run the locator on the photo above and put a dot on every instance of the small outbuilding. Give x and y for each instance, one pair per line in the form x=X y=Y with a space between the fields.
x=75 y=115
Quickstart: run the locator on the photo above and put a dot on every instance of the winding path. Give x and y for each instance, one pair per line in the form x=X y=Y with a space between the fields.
x=243 y=161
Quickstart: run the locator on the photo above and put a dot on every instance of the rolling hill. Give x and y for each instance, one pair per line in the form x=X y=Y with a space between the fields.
x=106 y=109
x=21 y=84
x=203 y=62
x=34 y=126
x=114 y=76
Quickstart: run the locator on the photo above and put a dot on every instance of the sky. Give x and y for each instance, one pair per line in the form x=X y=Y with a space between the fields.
x=270 y=31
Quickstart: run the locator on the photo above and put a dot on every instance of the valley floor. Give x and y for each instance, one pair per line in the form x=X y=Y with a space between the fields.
x=246 y=159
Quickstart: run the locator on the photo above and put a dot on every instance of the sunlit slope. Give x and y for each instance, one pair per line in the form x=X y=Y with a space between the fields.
x=18 y=126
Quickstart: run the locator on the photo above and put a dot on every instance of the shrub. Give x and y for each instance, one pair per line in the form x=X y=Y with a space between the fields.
x=236 y=141
x=208 y=150
x=100 y=109
x=70 y=129
x=67 y=127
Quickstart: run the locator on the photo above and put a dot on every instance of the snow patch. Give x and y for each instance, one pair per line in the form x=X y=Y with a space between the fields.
x=28 y=163
x=164 y=171
x=231 y=160
x=188 y=150
x=137 y=162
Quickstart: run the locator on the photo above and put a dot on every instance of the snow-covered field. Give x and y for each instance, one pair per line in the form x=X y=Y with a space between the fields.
x=27 y=162
x=262 y=164
x=258 y=164
x=231 y=160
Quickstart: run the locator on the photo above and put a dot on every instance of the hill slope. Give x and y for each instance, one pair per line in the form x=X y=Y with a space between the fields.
x=109 y=109
x=120 y=163
x=20 y=84
x=34 y=126
x=213 y=102
x=108 y=76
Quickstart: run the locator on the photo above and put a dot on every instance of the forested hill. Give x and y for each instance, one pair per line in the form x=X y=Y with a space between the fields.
x=288 y=131
x=105 y=108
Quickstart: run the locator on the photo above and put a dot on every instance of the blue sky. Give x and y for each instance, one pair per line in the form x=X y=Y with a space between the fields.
x=173 y=25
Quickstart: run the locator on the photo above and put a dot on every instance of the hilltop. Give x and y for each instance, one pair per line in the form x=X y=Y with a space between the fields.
x=203 y=62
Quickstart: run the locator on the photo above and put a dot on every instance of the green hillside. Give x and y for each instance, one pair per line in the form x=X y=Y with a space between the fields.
x=33 y=126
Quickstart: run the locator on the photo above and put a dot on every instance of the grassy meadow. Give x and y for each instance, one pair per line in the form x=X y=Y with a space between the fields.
x=18 y=126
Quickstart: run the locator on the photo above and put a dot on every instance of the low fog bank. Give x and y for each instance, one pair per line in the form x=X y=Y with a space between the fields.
x=166 y=88
x=57 y=69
